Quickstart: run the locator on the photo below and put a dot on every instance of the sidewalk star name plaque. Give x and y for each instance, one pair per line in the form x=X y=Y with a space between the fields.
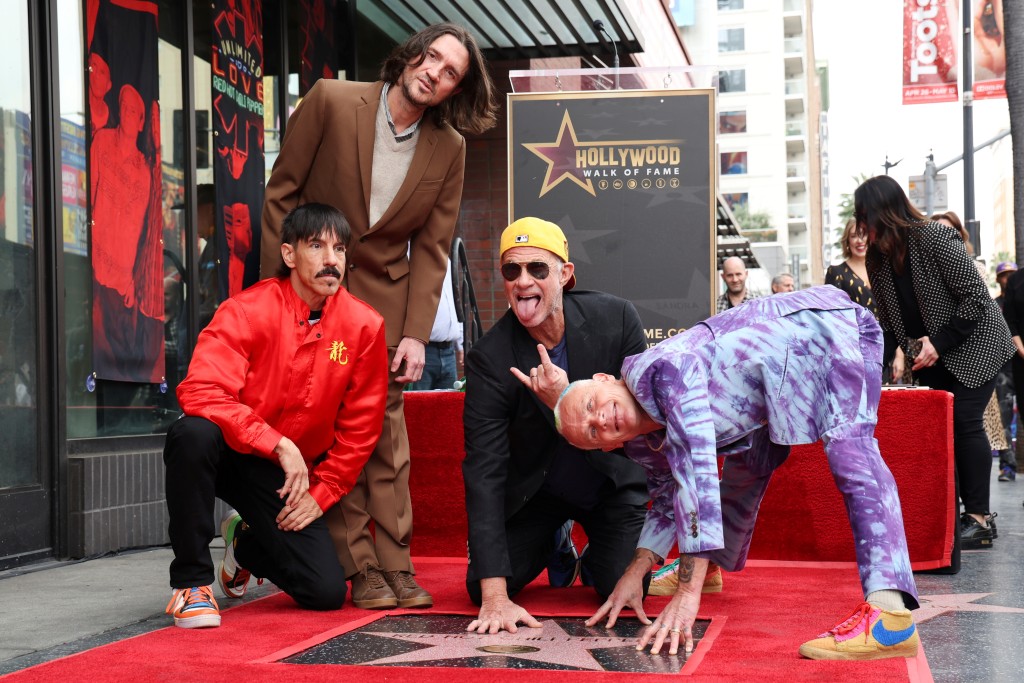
x=439 y=640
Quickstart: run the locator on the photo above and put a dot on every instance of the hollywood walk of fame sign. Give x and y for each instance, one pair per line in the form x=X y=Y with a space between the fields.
x=437 y=640
x=629 y=177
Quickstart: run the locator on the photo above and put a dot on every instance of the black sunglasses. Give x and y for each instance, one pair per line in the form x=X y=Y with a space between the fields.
x=537 y=270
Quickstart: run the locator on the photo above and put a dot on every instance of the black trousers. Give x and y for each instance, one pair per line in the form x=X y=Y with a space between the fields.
x=1017 y=363
x=973 y=453
x=200 y=467
x=1005 y=393
x=613 y=528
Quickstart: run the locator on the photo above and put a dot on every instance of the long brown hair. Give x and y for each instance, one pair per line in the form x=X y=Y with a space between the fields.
x=954 y=220
x=881 y=206
x=473 y=109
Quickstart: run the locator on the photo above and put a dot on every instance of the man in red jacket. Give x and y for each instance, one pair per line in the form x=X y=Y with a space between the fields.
x=284 y=402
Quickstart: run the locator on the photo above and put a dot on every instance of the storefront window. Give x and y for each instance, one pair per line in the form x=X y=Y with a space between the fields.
x=99 y=406
x=18 y=306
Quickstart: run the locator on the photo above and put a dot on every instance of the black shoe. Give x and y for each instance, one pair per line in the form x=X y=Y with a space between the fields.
x=973 y=535
x=586 y=576
x=991 y=520
x=564 y=563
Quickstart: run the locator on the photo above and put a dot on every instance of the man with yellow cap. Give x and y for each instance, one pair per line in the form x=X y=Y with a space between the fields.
x=524 y=481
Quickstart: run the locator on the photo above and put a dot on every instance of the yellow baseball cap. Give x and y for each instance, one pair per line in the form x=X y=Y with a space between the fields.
x=536 y=232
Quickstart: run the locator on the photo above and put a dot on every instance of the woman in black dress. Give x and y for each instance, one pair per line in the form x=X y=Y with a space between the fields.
x=851 y=276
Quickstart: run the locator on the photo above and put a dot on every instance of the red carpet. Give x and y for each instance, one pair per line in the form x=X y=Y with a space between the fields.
x=802 y=517
x=762 y=617
x=758 y=622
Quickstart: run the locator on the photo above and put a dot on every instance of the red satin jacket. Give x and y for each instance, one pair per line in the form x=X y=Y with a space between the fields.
x=260 y=371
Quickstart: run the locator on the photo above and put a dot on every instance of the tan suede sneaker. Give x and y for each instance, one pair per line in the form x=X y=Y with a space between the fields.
x=869 y=633
x=409 y=593
x=665 y=581
x=370 y=590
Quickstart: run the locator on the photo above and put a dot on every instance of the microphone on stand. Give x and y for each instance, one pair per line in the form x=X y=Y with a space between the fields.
x=599 y=27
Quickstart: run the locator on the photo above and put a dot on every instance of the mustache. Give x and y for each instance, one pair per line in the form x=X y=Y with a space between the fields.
x=329 y=270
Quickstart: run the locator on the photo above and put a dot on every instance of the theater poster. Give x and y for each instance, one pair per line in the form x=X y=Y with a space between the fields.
x=630 y=178
x=238 y=171
x=124 y=176
x=930 y=35
x=988 y=48
x=319 y=56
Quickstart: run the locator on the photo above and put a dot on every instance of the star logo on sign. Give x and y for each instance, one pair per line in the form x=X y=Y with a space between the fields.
x=560 y=157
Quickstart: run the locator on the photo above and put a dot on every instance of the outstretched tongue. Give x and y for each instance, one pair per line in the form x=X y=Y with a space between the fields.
x=527 y=306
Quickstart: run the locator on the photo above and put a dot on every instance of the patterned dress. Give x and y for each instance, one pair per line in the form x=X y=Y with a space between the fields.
x=787 y=369
x=844 y=277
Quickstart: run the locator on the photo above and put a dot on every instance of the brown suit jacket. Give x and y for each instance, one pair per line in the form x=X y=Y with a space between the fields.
x=326 y=157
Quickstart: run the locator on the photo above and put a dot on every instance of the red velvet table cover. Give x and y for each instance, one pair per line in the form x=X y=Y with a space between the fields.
x=802 y=517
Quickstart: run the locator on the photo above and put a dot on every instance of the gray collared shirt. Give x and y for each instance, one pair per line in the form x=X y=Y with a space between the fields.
x=408 y=132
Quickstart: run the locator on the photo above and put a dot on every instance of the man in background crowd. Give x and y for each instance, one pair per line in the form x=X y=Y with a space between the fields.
x=783 y=282
x=734 y=275
x=1005 y=393
x=443 y=361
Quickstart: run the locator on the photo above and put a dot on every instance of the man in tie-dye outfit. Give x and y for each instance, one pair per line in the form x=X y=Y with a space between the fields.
x=748 y=384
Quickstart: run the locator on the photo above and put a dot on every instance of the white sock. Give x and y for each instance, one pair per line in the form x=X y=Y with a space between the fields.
x=888 y=600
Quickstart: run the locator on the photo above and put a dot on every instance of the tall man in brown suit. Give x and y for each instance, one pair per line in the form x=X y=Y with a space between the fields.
x=388 y=155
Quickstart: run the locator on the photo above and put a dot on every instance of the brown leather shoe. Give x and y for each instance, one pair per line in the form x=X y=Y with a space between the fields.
x=409 y=593
x=370 y=590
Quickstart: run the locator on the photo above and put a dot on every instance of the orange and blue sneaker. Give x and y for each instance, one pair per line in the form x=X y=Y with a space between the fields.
x=665 y=581
x=232 y=578
x=869 y=633
x=194 y=607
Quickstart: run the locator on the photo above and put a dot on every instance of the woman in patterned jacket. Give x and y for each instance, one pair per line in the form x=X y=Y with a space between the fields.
x=927 y=289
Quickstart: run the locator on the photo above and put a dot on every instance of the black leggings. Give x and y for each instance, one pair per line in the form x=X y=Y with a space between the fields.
x=970 y=443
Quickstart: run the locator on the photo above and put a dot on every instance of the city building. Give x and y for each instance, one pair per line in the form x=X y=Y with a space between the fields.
x=768 y=107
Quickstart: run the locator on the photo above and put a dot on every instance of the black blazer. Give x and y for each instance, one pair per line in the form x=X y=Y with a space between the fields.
x=510 y=434
x=950 y=294
x=1013 y=304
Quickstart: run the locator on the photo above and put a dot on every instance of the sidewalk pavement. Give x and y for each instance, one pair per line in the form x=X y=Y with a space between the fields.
x=55 y=609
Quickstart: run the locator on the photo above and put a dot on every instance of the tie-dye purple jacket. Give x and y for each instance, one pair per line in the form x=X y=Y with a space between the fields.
x=794 y=362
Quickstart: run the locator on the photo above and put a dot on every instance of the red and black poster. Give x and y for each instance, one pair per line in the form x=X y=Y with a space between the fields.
x=319 y=57
x=125 y=209
x=930 y=34
x=238 y=172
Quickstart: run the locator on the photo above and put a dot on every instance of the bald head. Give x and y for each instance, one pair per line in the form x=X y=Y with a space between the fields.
x=734 y=274
x=600 y=413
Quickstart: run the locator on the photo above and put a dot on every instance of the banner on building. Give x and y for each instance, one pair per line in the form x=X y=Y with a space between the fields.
x=125 y=203
x=319 y=56
x=629 y=176
x=988 y=49
x=237 y=83
x=929 y=51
